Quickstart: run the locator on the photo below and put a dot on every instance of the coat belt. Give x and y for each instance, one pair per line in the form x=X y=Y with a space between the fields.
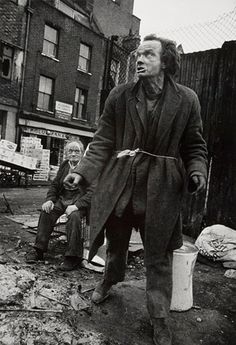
x=131 y=153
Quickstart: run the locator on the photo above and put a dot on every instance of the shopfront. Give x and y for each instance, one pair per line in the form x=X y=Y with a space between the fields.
x=54 y=138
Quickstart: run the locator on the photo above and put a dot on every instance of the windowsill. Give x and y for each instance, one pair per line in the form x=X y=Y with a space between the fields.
x=45 y=111
x=81 y=70
x=78 y=119
x=50 y=57
x=116 y=3
x=6 y=78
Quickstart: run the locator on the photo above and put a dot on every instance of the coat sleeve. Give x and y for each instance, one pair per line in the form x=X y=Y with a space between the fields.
x=193 y=146
x=102 y=146
x=84 y=201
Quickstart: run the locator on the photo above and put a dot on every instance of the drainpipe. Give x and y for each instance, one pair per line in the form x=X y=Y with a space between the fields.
x=29 y=11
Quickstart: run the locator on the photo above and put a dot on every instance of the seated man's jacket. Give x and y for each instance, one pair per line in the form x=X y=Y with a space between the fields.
x=83 y=194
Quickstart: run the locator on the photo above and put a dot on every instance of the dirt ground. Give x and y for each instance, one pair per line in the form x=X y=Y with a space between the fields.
x=59 y=310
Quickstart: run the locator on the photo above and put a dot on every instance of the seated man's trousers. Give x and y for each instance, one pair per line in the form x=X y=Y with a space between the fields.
x=46 y=224
x=159 y=276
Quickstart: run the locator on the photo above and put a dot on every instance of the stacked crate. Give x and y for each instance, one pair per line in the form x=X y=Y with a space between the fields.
x=53 y=172
x=31 y=146
x=8 y=154
x=42 y=172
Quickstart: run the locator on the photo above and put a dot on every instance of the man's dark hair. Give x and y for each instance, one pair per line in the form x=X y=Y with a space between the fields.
x=169 y=54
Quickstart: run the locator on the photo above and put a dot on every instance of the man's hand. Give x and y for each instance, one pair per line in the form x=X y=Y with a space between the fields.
x=198 y=183
x=72 y=180
x=48 y=206
x=70 y=209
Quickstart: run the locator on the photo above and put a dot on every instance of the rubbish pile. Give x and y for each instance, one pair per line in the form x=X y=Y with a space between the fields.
x=34 y=310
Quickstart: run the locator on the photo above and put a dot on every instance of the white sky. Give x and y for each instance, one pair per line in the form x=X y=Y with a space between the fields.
x=159 y=15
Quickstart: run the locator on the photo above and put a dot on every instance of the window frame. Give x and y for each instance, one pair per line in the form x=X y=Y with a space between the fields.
x=77 y=105
x=88 y=60
x=8 y=58
x=55 y=44
x=51 y=95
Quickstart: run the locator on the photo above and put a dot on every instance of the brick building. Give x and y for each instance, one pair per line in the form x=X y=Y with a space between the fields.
x=12 y=45
x=63 y=74
x=62 y=49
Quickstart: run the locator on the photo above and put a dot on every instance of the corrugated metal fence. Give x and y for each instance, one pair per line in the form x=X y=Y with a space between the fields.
x=212 y=74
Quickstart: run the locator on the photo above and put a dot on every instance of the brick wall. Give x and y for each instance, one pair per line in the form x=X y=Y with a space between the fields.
x=12 y=23
x=12 y=32
x=64 y=71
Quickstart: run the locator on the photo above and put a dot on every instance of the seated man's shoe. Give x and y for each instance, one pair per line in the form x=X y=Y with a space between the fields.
x=34 y=255
x=161 y=332
x=101 y=292
x=70 y=263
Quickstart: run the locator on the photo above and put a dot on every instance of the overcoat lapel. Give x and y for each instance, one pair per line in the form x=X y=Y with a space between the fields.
x=137 y=111
x=169 y=110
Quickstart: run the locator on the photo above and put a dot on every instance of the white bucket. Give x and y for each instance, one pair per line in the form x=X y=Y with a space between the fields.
x=184 y=260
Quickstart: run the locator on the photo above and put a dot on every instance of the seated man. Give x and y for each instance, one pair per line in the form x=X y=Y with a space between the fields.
x=74 y=202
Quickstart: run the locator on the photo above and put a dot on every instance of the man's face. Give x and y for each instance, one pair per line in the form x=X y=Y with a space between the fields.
x=148 y=62
x=74 y=154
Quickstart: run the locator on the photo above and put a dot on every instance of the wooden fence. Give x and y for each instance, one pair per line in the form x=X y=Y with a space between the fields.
x=212 y=74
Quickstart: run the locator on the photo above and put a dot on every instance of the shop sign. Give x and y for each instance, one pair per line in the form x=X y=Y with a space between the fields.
x=46 y=132
x=63 y=110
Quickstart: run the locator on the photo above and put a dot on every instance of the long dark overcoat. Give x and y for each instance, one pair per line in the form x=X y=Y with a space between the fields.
x=121 y=126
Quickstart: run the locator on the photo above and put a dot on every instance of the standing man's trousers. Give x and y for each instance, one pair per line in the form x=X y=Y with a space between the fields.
x=159 y=276
x=46 y=224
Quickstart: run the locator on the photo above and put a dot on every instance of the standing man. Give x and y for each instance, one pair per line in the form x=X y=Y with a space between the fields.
x=148 y=145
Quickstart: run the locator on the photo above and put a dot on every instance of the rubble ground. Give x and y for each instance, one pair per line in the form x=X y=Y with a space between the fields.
x=41 y=305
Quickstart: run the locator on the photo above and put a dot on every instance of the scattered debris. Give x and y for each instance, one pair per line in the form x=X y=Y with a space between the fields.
x=230 y=274
x=14 y=282
x=88 y=290
x=24 y=218
x=32 y=310
x=8 y=209
x=229 y=264
x=31 y=330
x=53 y=299
x=77 y=302
x=13 y=258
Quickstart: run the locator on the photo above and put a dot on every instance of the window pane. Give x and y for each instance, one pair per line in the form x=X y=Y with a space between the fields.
x=40 y=100
x=42 y=84
x=45 y=93
x=45 y=47
x=6 y=65
x=49 y=49
x=82 y=99
x=80 y=111
x=80 y=104
x=46 y=100
x=84 y=51
x=75 y=112
x=45 y=85
x=50 y=34
x=83 y=64
x=76 y=95
x=48 y=88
